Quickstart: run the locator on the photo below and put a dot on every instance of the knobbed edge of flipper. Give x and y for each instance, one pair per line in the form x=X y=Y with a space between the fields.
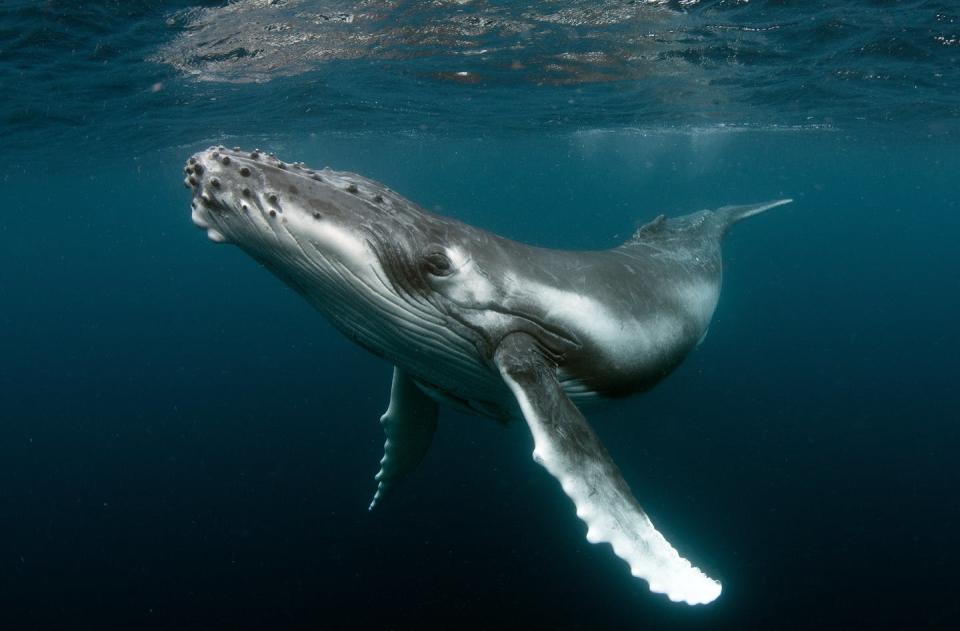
x=408 y=423
x=566 y=446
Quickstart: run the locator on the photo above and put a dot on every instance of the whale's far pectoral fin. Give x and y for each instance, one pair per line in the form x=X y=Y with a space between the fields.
x=409 y=423
x=569 y=449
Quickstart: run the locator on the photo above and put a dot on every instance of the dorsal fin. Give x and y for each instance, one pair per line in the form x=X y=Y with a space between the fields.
x=717 y=221
x=657 y=224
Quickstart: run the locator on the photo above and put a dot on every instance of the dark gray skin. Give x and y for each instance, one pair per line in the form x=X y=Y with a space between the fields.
x=494 y=326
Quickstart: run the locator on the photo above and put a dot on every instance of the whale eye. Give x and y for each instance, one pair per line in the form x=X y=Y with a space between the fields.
x=437 y=263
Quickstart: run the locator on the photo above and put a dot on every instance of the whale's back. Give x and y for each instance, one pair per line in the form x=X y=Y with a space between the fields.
x=647 y=303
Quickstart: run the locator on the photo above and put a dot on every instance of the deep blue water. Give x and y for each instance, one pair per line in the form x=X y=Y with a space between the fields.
x=185 y=444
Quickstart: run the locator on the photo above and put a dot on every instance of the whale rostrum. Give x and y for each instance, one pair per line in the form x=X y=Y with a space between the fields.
x=488 y=325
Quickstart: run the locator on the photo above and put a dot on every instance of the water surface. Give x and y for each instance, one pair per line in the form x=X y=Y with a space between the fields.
x=186 y=444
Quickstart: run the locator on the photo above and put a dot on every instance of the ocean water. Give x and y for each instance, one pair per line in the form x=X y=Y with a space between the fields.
x=186 y=444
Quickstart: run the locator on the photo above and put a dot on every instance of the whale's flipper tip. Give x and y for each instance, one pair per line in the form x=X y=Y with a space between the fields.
x=695 y=588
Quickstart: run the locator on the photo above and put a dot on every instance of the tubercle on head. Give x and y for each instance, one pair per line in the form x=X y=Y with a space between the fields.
x=235 y=181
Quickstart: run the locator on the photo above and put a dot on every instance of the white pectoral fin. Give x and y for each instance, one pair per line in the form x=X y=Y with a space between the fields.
x=408 y=423
x=568 y=448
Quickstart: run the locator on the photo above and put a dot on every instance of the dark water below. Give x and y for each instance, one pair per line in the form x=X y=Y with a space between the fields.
x=185 y=444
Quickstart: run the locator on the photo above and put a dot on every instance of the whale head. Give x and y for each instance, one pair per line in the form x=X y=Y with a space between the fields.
x=361 y=254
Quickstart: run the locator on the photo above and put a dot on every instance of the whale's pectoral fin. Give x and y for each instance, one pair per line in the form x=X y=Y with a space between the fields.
x=569 y=449
x=409 y=423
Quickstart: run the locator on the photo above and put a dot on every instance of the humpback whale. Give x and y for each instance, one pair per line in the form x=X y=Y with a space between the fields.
x=488 y=325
